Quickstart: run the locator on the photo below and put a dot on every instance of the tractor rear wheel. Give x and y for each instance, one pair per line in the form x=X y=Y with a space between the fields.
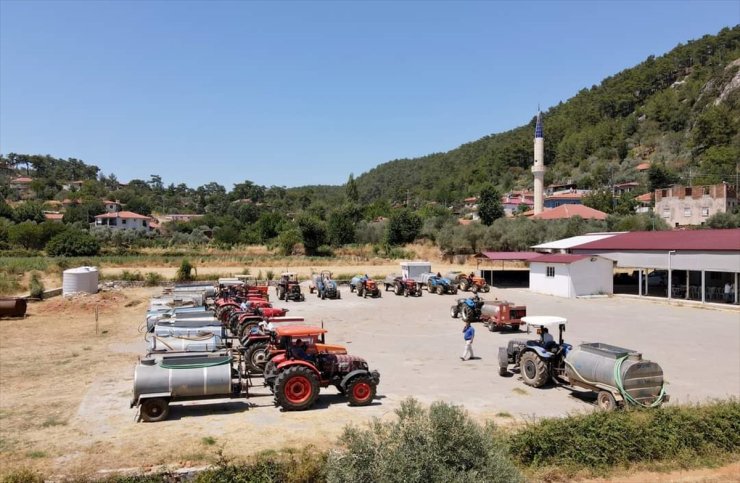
x=533 y=369
x=360 y=391
x=440 y=290
x=486 y=288
x=155 y=409
x=606 y=401
x=256 y=357
x=296 y=388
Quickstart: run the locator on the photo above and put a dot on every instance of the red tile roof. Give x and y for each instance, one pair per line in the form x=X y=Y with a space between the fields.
x=508 y=255
x=123 y=214
x=53 y=216
x=569 y=211
x=22 y=180
x=642 y=166
x=559 y=258
x=560 y=196
x=700 y=240
x=646 y=198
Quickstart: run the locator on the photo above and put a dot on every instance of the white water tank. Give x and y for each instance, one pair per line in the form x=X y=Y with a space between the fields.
x=80 y=280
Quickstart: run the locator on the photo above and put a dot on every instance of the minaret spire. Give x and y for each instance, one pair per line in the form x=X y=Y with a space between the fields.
x=539 y=164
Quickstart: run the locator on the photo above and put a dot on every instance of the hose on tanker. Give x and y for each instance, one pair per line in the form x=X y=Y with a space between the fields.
x=221 y=362
x=626 y=395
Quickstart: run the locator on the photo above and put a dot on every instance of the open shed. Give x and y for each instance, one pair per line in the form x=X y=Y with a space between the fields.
x=515 y=276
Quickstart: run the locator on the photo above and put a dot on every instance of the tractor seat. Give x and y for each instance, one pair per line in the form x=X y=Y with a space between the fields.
x=534 y=343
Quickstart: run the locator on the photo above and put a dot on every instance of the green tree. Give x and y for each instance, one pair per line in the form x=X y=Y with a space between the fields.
x=287 y=240
x=27 y=234
x=268 y=225
x=140 y=206
x=714 y=127
x=6 y=211
x=403 y=227
x=313 y=233
x=351 y=192
x=724 y=220
x=73 y=243
x=659 y=176
x=601 y=200
x=84 y=212
x=226 y=235
x=340 y=228
x=185 y=272
x=489 y=205
x=29 y=211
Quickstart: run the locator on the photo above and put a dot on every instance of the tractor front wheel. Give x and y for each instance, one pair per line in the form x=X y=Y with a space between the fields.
x=486 y=288
x=533 y=369
x=454 y=311
x=360 y=391
x=440 y=290
x=155 y=409
x=296 y=388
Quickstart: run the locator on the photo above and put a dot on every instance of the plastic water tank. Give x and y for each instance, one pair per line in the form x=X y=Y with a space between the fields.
x=80 y=279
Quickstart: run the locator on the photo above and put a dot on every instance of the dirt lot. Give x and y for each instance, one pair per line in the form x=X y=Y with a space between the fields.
x=64 y=390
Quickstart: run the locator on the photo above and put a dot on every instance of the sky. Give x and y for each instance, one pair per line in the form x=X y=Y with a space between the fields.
x=295 y=93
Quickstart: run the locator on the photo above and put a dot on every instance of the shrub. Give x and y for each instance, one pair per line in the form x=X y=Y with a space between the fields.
x=603 y=439
x=36 y=286
x=127 y=276
x=73 y=243
x=184 y=273
x=441 y=443
x=152 y=279
x=287 y=241
x=269 y=274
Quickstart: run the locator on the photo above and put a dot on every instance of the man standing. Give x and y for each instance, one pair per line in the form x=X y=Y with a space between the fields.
x=468 y=335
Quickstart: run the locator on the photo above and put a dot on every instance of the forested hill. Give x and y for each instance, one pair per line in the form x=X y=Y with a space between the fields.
x=681 y=109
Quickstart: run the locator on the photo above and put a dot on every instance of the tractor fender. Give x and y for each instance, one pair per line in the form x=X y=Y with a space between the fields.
x=296 y=362
x=539 y=350
x=353 y=374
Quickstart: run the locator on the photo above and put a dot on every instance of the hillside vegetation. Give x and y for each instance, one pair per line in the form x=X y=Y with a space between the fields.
x=681 y=109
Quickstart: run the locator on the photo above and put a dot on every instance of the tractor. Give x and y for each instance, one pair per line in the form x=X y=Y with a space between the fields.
x=400 y=286
x=437 y=283
x=469 y=282
x=303 y=364
x=288 y=288
x=496 y=315
x=619 y=376
x=364 y=286
x=324 y=286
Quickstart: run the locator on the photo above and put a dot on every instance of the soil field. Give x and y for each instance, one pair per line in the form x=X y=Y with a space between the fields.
x=65 y=380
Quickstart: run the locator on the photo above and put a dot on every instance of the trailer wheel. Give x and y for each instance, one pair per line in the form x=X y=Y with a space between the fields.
x=533 y=369
x=155 y=409
x=296 y=388
x=360 y=391
x=503 y=371
x=606 y=401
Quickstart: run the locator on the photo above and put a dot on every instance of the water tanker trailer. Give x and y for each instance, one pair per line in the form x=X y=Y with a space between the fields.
x=162 y=379
x=619 y=376
x=196 y=343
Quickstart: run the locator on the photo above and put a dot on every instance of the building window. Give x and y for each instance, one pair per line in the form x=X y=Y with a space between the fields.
x=664 y=193
x=687 y=212
x=550 y=271
x=688 y=191
x=705 y=212
x=123 y=222
x=666 y=212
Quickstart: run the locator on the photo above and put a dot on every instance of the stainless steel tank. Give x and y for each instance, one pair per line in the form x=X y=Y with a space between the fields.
x=491 y=311
x=190 y=319
x=184 y=375
x=595 y=363
x=196 y=331
x=200 y=343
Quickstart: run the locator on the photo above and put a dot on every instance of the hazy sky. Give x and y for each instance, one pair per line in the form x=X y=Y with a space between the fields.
x=292 y=93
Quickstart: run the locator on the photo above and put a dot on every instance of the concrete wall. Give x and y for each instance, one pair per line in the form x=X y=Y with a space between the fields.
x=681 y=260
x=693 y=205
x=583 y=277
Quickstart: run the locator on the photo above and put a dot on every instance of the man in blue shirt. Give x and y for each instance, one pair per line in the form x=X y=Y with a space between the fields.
x=468 y=335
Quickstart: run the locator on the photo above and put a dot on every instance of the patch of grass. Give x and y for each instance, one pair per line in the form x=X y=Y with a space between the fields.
x=36 y=454
x=53 y=421
x=520 y=391
x=87 y=348
x=208 y=440
x=128 y=276
x=152 y=279
x=23 y=475
x=504 y=414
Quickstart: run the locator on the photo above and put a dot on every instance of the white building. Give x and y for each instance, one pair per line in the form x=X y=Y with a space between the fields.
x=570 y=276
x=123 y=220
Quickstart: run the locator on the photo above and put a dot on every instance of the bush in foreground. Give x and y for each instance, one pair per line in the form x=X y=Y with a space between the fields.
x=439 y=444
x=606 y=439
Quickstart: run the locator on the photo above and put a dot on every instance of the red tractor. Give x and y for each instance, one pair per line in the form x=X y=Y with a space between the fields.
x=288 y=288
x=301 y=363
x=469 y=282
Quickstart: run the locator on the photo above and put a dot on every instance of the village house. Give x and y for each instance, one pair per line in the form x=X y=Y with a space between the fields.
x=693 y=205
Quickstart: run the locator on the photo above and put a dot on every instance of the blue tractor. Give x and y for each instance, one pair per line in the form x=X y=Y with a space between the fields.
x=324 y=286
x=437 y=283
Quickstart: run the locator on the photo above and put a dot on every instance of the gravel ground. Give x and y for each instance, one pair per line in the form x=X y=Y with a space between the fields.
x=75 y=418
